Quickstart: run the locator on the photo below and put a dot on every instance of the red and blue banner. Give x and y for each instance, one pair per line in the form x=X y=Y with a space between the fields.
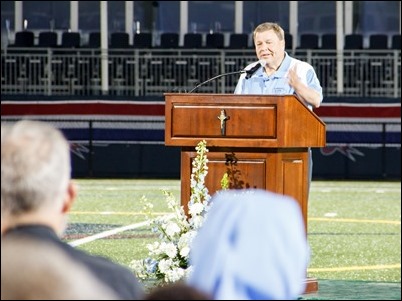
x=126 y=137
x=143 y=121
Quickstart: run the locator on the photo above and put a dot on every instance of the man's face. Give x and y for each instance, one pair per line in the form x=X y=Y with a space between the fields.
x=268 y=46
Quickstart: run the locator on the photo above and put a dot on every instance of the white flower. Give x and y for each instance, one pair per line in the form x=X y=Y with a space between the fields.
x=169 y=249
x=185 y=251
x=165 y=265
x=172 y=229
x=197 y=221
x=168 y=257
x=196 y=208
x=174 y=275
x=154 y=247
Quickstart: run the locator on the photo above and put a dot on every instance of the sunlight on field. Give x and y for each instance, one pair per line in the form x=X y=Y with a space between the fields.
x=354 y=228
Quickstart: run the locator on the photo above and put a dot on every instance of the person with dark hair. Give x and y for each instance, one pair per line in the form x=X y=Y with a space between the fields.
x=251 y=246
x=37 y=193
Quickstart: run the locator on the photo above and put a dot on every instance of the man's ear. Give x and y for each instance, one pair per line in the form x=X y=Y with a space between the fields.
x=70 y=196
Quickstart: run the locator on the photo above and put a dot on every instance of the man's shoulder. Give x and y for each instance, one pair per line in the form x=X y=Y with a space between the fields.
x=302 y=64
x=303 y=68
x=117 y=276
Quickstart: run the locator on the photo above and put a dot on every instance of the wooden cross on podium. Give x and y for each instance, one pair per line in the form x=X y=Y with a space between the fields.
x=223 y=118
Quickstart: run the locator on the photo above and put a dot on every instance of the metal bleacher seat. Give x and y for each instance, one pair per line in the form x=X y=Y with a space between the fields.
x=120 y=70
x=208 y=66
x=326 y=71
x=47 y=39
x=70 y=40
x=66 y=66
x=307 y=41
x=396 y=42
x=288 y=41
x=94 y=40
x=235 y=57
x=215 y=40
x=328 y=41
x=238 y=41
x=192 y=40
x=24 y=39
x=174 y=70
x=169 y=40
x=378 y=42
x=119 y=40
x=18 y=65
x=91 y=63
x=142 y=40
x=377 y=73
x=353 y=70
x=353 y=42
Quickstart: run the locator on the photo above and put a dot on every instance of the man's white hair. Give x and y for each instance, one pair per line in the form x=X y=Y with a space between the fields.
x=35 y=167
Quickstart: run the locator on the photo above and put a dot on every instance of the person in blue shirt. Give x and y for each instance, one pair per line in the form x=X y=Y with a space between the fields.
x=279 y=73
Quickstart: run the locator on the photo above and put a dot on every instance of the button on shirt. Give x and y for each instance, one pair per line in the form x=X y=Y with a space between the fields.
x=277 y=83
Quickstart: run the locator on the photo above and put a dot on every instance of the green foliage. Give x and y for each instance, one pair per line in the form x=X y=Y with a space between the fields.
x=225 y=181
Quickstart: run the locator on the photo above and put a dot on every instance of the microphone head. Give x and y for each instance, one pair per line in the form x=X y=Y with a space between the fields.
x=251 y=71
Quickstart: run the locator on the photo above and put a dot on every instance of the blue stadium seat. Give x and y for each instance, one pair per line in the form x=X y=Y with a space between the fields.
x=169 y=40
x=142 y=40
x=192 y=40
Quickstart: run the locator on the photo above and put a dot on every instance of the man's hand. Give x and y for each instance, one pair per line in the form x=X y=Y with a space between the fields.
x=293 y=79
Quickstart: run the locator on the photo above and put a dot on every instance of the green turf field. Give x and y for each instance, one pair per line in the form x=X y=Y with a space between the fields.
x=354 y=228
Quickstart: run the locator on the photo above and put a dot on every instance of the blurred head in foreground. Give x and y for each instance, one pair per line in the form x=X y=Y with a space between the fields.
x=252 y=246
x=35 y=176
x=176 y=291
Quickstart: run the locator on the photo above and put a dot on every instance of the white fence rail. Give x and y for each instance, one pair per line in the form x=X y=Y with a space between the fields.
x=143 y=72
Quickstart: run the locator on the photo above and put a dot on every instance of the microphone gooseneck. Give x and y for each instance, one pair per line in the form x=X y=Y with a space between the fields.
x=249 y=72
x=216 y=77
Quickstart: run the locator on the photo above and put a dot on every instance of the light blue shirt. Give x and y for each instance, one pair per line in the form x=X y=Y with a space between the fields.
x=277 y=83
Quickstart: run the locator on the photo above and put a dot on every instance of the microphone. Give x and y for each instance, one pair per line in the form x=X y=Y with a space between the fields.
x=249 y=72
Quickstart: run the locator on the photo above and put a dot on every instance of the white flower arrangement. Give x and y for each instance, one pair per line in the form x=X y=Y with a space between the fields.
x=168 y=259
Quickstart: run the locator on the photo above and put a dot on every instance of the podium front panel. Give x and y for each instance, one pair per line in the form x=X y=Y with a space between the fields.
x=212 y=121
x=284 y=171
x=225 y=120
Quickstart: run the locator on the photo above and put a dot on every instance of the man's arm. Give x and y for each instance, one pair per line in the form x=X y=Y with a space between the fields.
x=305 y=93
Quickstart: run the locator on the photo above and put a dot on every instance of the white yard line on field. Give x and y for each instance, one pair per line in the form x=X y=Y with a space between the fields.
x=104 y=234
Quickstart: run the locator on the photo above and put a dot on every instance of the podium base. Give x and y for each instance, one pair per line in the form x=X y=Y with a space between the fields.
x=311 y=285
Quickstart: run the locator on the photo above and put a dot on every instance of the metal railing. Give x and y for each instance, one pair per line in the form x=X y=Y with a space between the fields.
x=148 y=72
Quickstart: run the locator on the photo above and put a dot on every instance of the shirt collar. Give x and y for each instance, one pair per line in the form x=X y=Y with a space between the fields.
x=281 y=72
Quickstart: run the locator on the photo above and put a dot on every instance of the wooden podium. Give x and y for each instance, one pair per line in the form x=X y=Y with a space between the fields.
x=260 y=141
